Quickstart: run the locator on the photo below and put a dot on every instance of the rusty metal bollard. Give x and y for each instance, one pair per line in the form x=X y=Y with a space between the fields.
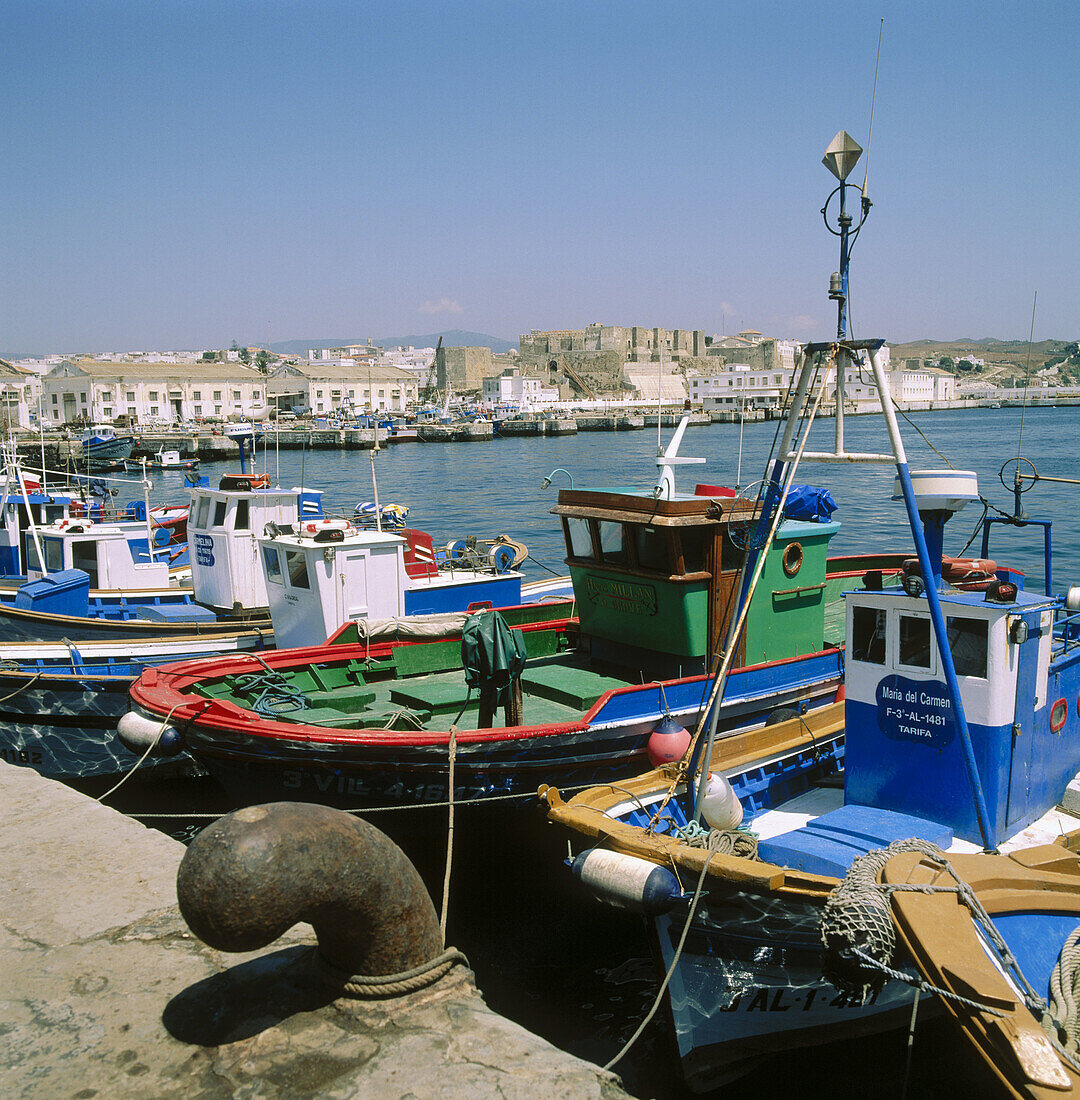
x=250 y=876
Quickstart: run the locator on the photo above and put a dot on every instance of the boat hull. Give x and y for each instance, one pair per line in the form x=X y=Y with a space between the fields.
x=62 y=722
x=748 y=985
x=259 y=759
x=108 y=451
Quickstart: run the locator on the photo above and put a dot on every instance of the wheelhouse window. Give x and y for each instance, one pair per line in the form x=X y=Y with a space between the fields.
x=84 y=557
x=695 y=548
x=202 y=512
x=651 y=547
x=868 y=635
x=914 y=642
x=219 y=513
x=612 y=543
x=579 y=538
x=296 y=564
x=271 y=564
x=969 y=642
x=240 y=518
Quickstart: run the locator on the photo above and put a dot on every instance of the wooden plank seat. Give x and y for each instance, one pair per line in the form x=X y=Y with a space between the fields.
x=446 y=697
x=577 y=688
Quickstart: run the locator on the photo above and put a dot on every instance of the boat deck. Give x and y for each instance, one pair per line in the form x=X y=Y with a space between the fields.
x=349 y=695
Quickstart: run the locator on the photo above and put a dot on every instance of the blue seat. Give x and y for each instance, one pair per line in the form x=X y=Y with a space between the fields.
x=828 y=844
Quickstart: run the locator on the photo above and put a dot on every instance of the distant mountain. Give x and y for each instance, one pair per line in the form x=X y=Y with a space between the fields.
x=453 y=339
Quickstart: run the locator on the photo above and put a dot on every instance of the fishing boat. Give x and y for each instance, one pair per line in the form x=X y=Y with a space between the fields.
x=101 y=447
x=163 y=459
x=957 y=729
x=60 y=702
x=373 y=712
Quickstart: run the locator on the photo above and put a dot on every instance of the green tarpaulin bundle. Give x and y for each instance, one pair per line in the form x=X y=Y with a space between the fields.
x=492 y=655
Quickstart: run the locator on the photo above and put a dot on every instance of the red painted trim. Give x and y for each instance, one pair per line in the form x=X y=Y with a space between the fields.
x=1064 y=704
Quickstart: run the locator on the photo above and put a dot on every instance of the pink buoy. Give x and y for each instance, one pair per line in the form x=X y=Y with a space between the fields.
x=668 y=742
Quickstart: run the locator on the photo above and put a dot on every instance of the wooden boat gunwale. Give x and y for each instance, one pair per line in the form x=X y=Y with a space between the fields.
x=942 y=938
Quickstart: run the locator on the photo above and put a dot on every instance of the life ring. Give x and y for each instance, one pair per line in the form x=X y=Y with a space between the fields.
x=317 y=527
x=73 y=526
x=970 y=574
x=792 y=559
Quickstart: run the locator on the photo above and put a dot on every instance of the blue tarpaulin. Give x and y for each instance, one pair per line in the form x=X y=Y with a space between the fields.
x=809 y=503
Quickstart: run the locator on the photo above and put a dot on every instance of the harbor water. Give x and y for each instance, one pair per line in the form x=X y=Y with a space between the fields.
x=574 y=973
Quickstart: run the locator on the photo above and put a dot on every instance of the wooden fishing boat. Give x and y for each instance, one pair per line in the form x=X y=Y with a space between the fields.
x=958 y=729
x=655 y=576
x=60 y=702
x=1000 y=934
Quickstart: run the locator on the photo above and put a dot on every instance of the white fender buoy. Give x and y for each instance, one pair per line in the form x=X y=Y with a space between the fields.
x=626 y=882
x=721 y=807
x=138 y=732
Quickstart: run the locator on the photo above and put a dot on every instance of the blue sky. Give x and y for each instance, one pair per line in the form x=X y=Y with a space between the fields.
x=181 y=174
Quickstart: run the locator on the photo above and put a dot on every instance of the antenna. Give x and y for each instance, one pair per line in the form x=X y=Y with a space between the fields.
x=873 y=103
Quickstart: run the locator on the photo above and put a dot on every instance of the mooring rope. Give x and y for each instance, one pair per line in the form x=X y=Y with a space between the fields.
x=449 y=836
x=859 y=948
x=671 y=969
x=376 y=987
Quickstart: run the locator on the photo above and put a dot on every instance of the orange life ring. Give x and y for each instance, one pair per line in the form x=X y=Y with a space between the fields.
x=973 y=574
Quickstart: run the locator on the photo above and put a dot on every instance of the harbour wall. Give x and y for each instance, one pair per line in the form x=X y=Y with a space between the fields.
x=208 y=446
x=105 y=991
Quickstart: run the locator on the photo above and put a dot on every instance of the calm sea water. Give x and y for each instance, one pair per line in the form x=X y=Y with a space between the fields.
x=486 y=489
x=582 y=976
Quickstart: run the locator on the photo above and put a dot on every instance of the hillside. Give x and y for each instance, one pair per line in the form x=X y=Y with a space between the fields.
x=1007 y=361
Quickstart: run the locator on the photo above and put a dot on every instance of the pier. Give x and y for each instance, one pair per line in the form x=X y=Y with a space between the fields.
x=106 y=992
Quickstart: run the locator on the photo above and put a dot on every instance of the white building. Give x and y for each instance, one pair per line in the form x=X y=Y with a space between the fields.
x=18 y=396
x=325 y=387
x=152 y=394
x=738 y=385
x=512 y=388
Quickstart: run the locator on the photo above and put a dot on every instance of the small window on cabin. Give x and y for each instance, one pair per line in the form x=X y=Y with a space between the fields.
x=32 y=560
x=219 y=513
x=612 y=542
x=969 y=642
x=240 y=519
x=578 y=538
x=296 y=564
x=203 y=511
x=695 y=548
x=651 y=544
x=53 y=512
x=54 y=554
x=271 y=564
x=868 y=635
x=914 y=642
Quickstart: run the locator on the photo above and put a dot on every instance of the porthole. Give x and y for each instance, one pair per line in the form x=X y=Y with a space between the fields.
x=1058 y=713
x=792 y=560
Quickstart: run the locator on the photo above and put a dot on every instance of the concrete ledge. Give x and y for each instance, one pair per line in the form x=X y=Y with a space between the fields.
x=105 y=993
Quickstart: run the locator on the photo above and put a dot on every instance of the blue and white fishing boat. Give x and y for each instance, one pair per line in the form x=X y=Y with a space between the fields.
x=60 y=701
x=958 y=728
x=101 y=447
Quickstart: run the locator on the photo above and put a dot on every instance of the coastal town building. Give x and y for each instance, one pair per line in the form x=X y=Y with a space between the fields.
x=348 y=351
x=464 y=369
x=152 y=394
x=514 y=388
x=324 y=387
x=19 y=389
